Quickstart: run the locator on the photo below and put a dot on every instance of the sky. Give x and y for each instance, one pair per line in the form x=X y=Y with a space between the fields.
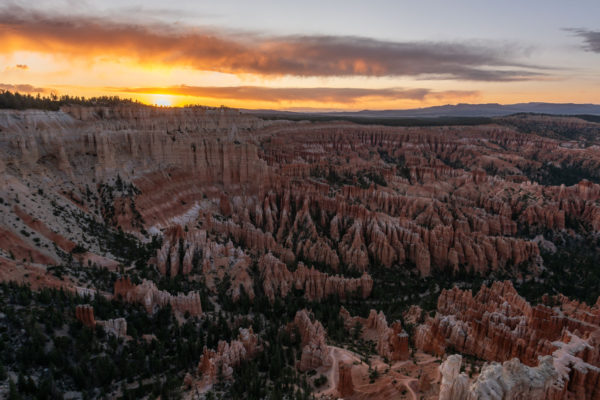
x=304 y=55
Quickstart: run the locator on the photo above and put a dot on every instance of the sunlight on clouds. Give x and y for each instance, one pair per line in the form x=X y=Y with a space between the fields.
x=108 y=77
x=95 y=54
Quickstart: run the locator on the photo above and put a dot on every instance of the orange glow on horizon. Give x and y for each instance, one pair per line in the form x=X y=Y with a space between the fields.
x=127 y=78
x=170 y=98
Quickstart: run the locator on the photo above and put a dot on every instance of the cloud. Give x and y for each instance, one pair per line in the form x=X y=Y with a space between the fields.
x=87 y=37
x=22 y=88
x=276 y=95
x=591 y=39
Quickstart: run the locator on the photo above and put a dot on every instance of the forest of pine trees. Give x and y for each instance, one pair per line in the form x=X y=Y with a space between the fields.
x=18 y=101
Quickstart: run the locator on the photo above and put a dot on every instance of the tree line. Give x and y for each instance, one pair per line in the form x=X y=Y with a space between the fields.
x=53 y=102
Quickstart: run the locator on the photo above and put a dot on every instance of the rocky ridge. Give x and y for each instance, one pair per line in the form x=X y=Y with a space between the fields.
x=279 y=281
x=498 y=325
x=151 y=298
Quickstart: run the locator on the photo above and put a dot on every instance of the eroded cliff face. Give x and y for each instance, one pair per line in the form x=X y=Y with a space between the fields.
x=183 y=152
x=123 y=139
x=345 y=385
x=85 y=314
x=499 y=325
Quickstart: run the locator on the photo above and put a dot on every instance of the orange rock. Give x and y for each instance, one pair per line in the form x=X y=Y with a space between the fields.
x=85 y=314
x=224 y=205
x=345 y=386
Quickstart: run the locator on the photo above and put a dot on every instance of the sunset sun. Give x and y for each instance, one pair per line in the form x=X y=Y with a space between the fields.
x=163 y=100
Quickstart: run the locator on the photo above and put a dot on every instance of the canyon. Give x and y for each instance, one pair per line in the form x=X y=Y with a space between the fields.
x=370 y=261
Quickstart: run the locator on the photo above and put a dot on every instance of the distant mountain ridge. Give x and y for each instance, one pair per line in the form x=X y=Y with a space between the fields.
x=460 y=110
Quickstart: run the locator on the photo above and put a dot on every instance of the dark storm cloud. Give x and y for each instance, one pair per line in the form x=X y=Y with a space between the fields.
x=591 y=39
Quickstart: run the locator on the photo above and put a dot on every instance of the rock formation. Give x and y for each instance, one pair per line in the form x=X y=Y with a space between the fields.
x=315 y=352
x=391 y=341
x=116 y=327
x=220 y=362
x=429 y=198
x=181 y=251
x=499 y=325
x=509 y=380
x=345 y=386
x=318 y=208
x=513 y=380
x=279 y=281
x=454 y=385
x=85 y=314
x=414 y=315
x=151 y=298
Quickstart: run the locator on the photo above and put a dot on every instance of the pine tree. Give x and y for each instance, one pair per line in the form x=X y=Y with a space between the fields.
x=13 y=393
